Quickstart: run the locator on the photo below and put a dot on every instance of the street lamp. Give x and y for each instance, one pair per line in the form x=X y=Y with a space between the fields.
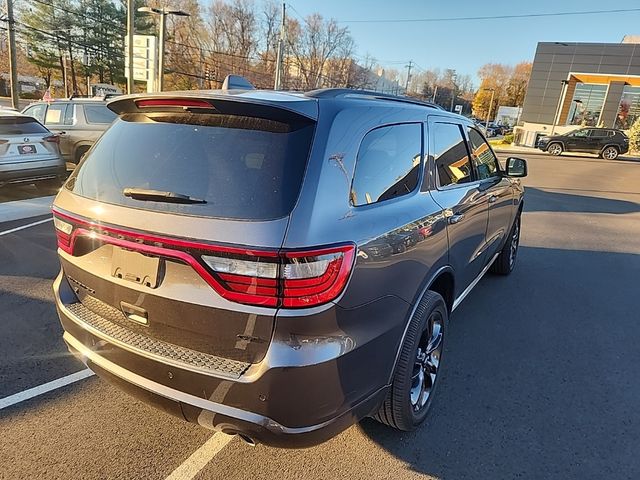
x=486 y=125
x=163 y=12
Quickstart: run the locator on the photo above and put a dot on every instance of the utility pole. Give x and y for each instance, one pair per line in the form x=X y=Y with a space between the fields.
x=406 y=84
x=130 y=14
x=435 y=92
x=13 y=65
x=163 y=28
x=279 y=58
x=486 y=125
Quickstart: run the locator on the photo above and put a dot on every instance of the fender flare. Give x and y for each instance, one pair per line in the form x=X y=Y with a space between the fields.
x=414 y=307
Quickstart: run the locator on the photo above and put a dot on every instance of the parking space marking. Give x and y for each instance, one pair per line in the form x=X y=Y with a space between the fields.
x=201 y=457
x=44 y=388
x=40 y=222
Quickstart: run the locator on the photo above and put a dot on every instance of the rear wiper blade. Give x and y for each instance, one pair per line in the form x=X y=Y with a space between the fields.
x=159 y=196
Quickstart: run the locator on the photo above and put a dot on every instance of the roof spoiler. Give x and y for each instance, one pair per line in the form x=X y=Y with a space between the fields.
x=237 y=82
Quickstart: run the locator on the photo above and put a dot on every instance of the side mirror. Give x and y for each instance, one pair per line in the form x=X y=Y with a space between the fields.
x=516 y=167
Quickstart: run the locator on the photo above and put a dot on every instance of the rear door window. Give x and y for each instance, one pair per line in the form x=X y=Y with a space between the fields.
x=99 y=114
x=56 y=114
x=388 y=163
x=243 y=167
x=450 y=154
x=20 y=126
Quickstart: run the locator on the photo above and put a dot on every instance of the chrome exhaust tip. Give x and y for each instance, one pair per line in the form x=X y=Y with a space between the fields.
x=248 y=440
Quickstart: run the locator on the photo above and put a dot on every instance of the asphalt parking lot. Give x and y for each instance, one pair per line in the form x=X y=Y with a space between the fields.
x=539 y=373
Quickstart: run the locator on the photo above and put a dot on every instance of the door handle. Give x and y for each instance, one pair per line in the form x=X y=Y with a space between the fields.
x=493 y=198
x=453 y=219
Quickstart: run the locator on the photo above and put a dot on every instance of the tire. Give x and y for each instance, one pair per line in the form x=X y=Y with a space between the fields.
x=610 y=153
x=555 y=149
x=411 y=394
x=506 y=260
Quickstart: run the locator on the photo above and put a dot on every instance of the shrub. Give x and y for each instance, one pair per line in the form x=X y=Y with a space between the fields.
x=634 y=136
x=508 y=139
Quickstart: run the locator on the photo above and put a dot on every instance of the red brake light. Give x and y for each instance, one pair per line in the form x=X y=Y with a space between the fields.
x=289 y=279
x=170 y=102
x=52 y=139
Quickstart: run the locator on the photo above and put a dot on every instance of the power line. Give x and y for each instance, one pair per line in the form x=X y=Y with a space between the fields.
x=492 y=17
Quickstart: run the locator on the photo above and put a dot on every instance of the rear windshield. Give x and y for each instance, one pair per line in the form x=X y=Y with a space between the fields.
x=243 y=167
x=99 y=114
x=20 y=126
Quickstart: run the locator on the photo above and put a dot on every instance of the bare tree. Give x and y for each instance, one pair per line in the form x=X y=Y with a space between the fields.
x=317 y=49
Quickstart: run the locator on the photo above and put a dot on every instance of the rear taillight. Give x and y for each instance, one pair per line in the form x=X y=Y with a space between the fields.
x=292 y=279
x=270 y=278
x=52 y=139
x=63 y=233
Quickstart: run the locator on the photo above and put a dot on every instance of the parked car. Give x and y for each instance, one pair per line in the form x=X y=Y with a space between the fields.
x=78 y=122
x=605 y=142
x=211 y=259
x=491 y=129
x=28 y=152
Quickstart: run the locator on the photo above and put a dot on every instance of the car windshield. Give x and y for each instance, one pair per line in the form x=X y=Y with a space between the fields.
x=242 y=167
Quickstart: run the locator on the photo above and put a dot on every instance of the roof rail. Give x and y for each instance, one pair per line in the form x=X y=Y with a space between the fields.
x=350 y=92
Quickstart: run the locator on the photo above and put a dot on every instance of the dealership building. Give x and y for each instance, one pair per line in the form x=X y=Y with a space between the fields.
x=581 y=84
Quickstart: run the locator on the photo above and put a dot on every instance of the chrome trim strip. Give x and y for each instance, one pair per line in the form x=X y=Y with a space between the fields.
x=467 y=290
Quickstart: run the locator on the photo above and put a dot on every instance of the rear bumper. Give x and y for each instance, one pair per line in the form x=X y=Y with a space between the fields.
x=32 y=172
x=284 y=401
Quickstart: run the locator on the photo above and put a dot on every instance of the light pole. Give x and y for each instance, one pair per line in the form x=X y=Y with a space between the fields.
x=486 y=125
x=163 y=12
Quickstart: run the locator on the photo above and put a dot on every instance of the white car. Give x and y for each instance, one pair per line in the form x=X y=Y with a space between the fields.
x=29 y=153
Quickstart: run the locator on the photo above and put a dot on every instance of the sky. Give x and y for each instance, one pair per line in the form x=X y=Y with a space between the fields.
x=467 y=45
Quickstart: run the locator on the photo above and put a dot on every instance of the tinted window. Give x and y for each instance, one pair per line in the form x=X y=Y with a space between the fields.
x=20 y=126
x=483 y=158
x=450 y=154
x=99 y=114
x=388 y=164
x=55 y=114
x=37 y=111
x=580 y=133
x=244 y=167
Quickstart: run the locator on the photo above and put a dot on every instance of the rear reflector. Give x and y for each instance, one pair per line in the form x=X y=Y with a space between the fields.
x=170 y=102
x=270 y=278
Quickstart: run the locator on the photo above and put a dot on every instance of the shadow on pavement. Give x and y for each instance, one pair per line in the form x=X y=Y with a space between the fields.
x=10 y=193
x=543 y=201
x=539 y=379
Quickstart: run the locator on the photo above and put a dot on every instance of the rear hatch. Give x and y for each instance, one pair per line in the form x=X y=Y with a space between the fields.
x=24 y=142
x=169 y=230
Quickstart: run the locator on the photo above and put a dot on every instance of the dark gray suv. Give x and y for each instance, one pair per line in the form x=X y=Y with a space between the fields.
x=278 y=265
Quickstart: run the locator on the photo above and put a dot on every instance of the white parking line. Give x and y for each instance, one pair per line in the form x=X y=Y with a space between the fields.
x=44 y=388
x=199 y=459
x=17 y=229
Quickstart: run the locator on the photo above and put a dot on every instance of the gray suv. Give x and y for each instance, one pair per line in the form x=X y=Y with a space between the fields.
x=275 y=265
x=78 y=123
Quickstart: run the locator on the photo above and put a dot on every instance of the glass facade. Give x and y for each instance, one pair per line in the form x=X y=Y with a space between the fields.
x=586 y=104
x=629 y=109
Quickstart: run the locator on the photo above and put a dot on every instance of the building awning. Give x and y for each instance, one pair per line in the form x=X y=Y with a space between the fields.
x=605 y=79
